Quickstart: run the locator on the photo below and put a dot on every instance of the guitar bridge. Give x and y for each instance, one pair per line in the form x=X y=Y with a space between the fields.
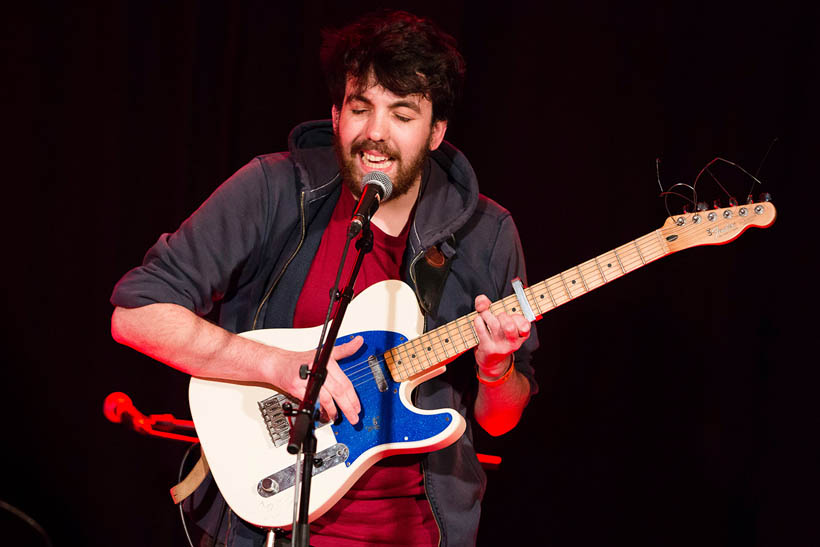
x=275 y=419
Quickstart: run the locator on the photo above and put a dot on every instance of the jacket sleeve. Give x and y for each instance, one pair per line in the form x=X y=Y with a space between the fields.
x=194 y=266
x=507 y=263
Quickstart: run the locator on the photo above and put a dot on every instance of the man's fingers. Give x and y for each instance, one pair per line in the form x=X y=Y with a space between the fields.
x=343 y=392
x=347 y=349
x=523 y=325
x=326 y=402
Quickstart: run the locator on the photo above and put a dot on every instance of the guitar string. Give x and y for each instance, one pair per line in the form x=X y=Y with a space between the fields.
x=360 y=370
x=360 y=373
x=629 y=260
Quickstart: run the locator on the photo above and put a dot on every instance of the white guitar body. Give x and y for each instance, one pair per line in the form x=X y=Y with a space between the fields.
x=242 y=450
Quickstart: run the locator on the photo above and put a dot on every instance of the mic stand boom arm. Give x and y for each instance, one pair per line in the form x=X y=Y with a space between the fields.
x=304 y=419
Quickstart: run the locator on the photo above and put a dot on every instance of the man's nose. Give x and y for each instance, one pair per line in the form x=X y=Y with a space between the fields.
x=377 y=128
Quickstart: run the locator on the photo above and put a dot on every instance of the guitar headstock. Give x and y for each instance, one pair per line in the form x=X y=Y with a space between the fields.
x=715 y=226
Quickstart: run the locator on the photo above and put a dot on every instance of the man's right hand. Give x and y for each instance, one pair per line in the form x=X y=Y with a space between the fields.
x=284 y=374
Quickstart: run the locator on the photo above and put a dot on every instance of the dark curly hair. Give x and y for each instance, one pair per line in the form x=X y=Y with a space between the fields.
x=406 y=54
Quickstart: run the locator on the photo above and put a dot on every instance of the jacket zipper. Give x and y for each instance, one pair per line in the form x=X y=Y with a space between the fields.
x=290 y=259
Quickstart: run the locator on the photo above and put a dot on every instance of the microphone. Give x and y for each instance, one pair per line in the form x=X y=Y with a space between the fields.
x=376 y=186
x=119 y=408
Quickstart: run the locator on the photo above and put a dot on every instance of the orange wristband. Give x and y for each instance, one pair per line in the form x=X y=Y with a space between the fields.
x=501 y=379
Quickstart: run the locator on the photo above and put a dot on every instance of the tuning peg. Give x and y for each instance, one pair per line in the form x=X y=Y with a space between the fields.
x=716 y=204
x=732 y=202
x=765 y=196
x=702 y=206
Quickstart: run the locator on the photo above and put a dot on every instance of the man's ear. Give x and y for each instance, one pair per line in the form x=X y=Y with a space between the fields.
x=437 y=134
x=334 y=116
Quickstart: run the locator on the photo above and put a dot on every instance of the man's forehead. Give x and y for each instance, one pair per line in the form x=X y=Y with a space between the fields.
x=356 y=89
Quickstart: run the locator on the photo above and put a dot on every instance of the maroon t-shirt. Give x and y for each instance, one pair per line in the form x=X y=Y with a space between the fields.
x=387 y=505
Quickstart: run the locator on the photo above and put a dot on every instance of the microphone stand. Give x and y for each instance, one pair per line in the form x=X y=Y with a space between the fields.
x=303 y=420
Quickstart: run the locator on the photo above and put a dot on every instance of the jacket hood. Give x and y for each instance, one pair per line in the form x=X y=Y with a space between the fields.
x=447 y=199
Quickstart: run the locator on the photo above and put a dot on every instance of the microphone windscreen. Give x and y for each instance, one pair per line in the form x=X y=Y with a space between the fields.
x=382 y=180
x=115 y=404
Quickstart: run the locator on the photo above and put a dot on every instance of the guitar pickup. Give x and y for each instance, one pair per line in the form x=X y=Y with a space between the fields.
x=284 y=479
x=377 y=372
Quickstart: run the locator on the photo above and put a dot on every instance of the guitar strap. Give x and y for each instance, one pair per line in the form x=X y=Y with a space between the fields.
x=431 y=273
x=192 y=481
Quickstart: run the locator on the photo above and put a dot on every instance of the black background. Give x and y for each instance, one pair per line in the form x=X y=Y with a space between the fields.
x=677 y=405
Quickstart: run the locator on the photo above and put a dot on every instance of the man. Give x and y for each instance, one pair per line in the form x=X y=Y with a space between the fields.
x=267 y=243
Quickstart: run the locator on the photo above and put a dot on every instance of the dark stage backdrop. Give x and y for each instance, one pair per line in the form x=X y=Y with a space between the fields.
x=677 y=405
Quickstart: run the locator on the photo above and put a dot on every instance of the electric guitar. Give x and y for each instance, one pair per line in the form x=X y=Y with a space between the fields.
x=244 y=431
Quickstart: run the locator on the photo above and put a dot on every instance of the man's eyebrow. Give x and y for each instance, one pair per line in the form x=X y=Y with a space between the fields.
x=358 y=97
x=412 y=105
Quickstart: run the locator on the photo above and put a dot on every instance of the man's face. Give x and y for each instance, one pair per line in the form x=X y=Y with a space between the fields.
x=376 y=130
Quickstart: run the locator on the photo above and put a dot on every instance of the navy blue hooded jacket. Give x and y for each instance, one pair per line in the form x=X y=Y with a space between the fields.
x=250 y=246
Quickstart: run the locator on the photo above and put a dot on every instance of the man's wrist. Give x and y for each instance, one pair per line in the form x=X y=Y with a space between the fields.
x=498 y=380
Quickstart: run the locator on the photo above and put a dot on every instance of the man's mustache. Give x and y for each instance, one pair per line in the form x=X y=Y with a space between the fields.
x=379 y=147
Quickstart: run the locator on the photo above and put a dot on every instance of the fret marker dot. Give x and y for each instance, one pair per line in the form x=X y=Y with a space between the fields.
x=542 y=297
x=573 y=282
x=446 y=340
x=413 y=356
x=609 y=265
x=428 y=348
x=513 y=309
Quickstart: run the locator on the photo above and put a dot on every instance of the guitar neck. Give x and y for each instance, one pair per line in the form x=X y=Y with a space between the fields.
x=436 y=347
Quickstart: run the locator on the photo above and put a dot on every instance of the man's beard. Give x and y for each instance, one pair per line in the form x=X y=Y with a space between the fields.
x=403 y=180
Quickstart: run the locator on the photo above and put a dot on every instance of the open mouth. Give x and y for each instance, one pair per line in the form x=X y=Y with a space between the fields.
x=375 y=160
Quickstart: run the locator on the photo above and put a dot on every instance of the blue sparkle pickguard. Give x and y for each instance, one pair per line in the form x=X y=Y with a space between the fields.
x=384 y=419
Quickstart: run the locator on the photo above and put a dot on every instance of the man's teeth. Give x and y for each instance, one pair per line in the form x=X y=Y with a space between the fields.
x=375 y=161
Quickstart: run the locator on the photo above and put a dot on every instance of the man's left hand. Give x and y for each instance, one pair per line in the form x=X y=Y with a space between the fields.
x=499 y=335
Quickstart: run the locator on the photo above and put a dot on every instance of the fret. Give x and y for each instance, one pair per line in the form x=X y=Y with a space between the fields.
x=635 y=241
x=549 y=292
x=433 y=345
x=514 y=304
x=467 y=323
x=569 y=294
x=618 y=258
x=603 y=276
x=589 y=276
x=400 y=359
x=499 y=306
x=539 y=289
x=448 y=339
x=472 y=330
x=460 y=330
x=583 y=281
x=664 y=246
x=423 y=348
x=413 y=357
x=530 y=296
x=427 y=350
x=409 y=359
x=445 y=341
